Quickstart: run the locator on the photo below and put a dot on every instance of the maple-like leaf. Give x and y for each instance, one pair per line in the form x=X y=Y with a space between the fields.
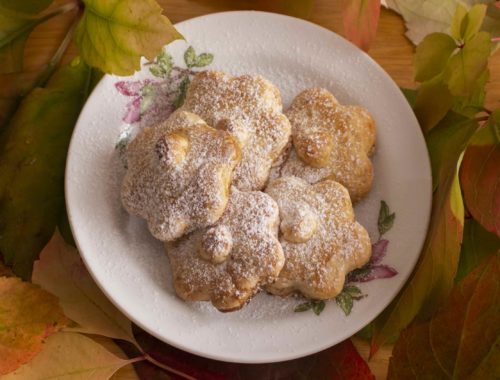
x=28 y=315
x=113 y=35
x=32 y=160
x=423 y=293
x=71 y=356
x=480 y=178
x=338 y=362
x=60 y=271
x=360 y=20
x=462 y=339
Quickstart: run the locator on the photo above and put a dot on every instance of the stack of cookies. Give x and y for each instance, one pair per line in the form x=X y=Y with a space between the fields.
x=246 y=197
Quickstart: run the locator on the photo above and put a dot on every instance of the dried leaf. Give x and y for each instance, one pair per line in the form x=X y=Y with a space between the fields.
x=360 y=20
x=25 y=6
x=70 y=356
x=60 y=271
x=5 y=271
x=467 y=66
x=480 y=178
x=477 y=244
x=113 y=35
x=423 y=293
x=28 y=315
x=462 y=340
x=432 y=55
x=33 y=156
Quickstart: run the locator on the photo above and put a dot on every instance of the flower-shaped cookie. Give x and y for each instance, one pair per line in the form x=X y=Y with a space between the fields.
x=250 y=108
x=179 y=174
x=320 y=238
x=331 y=141
x=228 y=262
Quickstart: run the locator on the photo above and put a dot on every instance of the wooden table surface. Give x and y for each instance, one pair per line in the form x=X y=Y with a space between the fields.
x=391 y=50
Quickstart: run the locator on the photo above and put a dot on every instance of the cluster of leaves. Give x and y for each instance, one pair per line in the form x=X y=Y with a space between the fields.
x=80 y=326
x=453 y=71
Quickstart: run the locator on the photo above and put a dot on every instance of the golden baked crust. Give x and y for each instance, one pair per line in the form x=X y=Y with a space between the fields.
x=178 y=175
x=320 y=238
x=250 y=108
x=331 y=141
x=228 y=262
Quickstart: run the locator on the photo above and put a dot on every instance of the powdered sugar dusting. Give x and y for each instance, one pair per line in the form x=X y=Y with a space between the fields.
x=247 y=233
x=317 y=266
x=249 y=107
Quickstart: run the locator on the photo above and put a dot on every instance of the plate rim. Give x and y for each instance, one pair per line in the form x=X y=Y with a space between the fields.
x=216 y=356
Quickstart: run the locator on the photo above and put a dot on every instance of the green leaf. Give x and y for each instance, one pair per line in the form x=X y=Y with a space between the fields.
x=113 y=35
x=183 y=87
x=467 y=66
x=190 y=56
x=204 y=59
x=440 y=254
x=462 y=340
x=345 y=302
x=303 y=307
x=318 y=306
x=432 y=103
x=476 y=246
x=385 y=218
x=410 y=95
x=470 y=106
x=456 y=23
x=354 y=291
x=432 y=55
x=472 y=22
x=33 y=155
x=71 y=356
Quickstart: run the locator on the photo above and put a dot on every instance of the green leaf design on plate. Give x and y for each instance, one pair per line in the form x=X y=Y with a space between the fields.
x=179 y=101
x=318 y=306
x=303 y=307
x=385 y=218
x=345 y=302
x=162 y=66
x=193 y=60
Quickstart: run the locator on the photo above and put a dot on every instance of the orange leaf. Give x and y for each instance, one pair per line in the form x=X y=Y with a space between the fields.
x=480 y=178
x=28 y=315
x=461 y=340
x=360 y=19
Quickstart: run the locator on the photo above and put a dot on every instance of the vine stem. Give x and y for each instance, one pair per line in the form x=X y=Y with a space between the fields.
x=150 y=359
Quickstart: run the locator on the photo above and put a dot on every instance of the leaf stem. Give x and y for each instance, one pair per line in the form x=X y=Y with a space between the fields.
x=165 y=367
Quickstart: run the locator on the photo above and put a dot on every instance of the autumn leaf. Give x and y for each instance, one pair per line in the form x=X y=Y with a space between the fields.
x=477 y=244
x=17 y=20
x=360 y=20
x=338 y=362
x=462 y=340
x=480 y=178
x=431 y=55
x=28 y=315
x=5 y=271
x=113 y=35
x=71 y=356
x=467 y=66
x=423 y=292
x=33 y=156
x=60 y=271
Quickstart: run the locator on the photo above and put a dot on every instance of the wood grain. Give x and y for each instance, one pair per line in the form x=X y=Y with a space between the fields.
x=391 y=50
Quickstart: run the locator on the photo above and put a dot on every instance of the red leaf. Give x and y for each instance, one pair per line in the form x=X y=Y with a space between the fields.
x=360 y=19
x=461 y=340
x=480 y=181
x=339 y=362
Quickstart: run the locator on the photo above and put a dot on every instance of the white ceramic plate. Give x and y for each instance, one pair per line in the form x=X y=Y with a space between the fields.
x=129 y=265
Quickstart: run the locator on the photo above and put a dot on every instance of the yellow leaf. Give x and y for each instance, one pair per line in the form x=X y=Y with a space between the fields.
x=113 y=34
x=70 y=356
x=28 y=315
x=60 y=270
